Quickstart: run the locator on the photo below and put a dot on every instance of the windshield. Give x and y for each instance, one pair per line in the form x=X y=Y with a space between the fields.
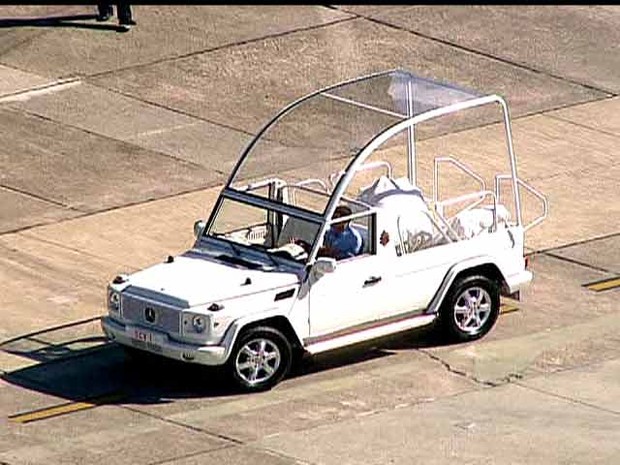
x=321 y=134
x=259 y=233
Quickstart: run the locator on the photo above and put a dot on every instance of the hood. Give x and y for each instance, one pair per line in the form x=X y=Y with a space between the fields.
x=199 y=279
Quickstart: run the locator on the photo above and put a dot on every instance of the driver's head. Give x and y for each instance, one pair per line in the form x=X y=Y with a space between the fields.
x=341 y=210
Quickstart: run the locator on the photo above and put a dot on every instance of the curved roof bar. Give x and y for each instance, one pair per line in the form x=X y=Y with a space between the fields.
x=435 y=113
x=294 y=104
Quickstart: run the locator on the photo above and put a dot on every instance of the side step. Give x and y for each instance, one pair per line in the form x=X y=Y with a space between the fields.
x=363 y=333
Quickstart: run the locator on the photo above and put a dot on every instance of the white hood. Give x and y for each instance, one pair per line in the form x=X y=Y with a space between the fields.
x=199 y=279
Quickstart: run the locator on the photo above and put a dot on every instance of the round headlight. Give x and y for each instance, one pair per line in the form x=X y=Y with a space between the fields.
x=199 y=323
x=114 y=301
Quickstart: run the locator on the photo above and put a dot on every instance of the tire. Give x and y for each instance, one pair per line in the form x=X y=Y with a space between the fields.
x=470 y=309
x=262 y=356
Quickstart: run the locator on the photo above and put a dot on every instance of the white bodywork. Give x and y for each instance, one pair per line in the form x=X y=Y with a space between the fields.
x=193 y=307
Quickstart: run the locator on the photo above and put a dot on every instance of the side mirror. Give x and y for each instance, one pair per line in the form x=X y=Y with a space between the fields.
x=199 y=227
x=324 y=265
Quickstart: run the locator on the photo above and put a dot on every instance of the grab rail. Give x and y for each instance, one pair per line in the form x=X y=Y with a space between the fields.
x=306 y=182
x=334 y=177
x=303 y=186
x=533 y=191
x=459 y=165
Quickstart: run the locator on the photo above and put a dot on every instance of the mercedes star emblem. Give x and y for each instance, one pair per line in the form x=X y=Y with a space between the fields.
x=150 y=315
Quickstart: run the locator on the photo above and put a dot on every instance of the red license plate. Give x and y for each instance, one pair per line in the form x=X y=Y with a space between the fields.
x=142 y=335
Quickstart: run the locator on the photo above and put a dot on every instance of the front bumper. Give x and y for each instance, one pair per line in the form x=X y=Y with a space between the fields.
x=160 y=344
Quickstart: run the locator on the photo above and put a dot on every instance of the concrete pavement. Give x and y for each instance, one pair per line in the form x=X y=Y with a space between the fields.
x=113 y=144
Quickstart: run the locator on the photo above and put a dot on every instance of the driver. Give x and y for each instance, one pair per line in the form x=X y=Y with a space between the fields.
x=341 y=240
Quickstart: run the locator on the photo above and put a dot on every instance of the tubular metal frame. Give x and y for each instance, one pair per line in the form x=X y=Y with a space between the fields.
x=408 y=124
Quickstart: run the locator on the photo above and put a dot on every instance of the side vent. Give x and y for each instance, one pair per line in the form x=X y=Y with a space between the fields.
x=284 y=295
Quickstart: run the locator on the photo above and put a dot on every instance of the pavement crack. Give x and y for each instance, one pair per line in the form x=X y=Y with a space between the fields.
x=117 y=207
x=487 y=55
x=39 y=197
x=578 y=262
x=174 y=110
x=572 y=244
x=464 y=374
x=176 y=459
x=85 y=253
x=222 y=47
x=50 y=329
x=584 y=126
x=569 y=399
x=180 y=424
x=105 y=136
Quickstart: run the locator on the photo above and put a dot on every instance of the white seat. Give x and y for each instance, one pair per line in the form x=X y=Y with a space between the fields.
x=363 y=231
x=405 y=204
x=298 y=229
x=472 y=222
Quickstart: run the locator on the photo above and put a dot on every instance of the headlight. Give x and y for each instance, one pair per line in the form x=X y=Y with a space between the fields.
x=195 y=323
x=114 y=301
x=199 y=323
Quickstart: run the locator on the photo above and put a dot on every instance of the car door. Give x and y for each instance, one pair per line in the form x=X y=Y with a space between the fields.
x=416 y=277
x=351 y=295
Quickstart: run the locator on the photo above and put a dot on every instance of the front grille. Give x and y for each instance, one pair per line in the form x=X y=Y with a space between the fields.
x=134 y=309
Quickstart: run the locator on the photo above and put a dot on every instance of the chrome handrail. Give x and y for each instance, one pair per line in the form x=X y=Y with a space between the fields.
x=542 y=197
x=334 y=177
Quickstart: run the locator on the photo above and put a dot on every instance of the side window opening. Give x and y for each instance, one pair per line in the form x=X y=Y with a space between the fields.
x=365 y=226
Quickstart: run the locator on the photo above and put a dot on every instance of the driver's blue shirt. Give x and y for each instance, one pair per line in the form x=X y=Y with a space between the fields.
x=346 y=244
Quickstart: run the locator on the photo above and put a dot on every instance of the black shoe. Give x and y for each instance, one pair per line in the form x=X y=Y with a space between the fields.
x=123 y=28
x=131 y=22
x=105 y=12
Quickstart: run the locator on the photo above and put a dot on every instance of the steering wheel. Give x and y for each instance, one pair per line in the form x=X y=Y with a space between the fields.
x=291 y=250
x=303 y=244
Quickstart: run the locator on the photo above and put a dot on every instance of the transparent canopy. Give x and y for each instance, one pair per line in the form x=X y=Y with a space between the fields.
x=308 y=159
x=321 y=133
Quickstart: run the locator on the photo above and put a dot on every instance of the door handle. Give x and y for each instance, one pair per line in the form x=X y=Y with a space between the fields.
x=372 y=280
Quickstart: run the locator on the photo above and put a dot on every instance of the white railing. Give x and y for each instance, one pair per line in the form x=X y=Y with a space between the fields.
x=539 y=195
x=335 y=177
x=463 y=168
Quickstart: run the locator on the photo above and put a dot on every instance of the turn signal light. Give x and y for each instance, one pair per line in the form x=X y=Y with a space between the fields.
x=120 y=279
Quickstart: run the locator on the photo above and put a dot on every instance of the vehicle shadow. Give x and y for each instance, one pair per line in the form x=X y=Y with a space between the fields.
x=415 y=339
x=76 y=363
x=74 y=21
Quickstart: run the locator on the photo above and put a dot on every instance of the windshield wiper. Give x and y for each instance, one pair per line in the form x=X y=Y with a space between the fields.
x=238 y=255
x=239 y=261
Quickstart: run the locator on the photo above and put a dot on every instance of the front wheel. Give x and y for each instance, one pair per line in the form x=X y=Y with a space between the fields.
x=261 y=358
x=471 y=308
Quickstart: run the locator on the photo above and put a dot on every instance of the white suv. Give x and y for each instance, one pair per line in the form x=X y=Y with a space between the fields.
x=258 y=284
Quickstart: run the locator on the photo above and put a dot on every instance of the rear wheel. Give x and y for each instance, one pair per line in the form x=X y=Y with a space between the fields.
x=261 y=358
x=471 y=308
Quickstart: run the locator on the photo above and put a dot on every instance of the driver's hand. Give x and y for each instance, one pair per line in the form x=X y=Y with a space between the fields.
x=301 y=243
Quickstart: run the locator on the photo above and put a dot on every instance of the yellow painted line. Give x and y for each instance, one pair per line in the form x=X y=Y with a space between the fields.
x=507 y=308
x=604 y=285
x=63 y=409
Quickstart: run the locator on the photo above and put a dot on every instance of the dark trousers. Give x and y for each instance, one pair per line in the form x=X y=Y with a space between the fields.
x=123 y=10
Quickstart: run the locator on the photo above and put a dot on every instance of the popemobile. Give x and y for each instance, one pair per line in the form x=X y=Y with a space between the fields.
x=258 y=287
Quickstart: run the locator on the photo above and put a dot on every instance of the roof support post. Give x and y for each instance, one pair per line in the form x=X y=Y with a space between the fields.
x=411 y=155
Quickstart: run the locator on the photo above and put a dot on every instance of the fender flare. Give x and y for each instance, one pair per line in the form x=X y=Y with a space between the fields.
x=453 y=272
x=235 y=328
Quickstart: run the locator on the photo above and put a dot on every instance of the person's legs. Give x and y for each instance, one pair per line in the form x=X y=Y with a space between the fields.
x=123 y=10
x=104 y=11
